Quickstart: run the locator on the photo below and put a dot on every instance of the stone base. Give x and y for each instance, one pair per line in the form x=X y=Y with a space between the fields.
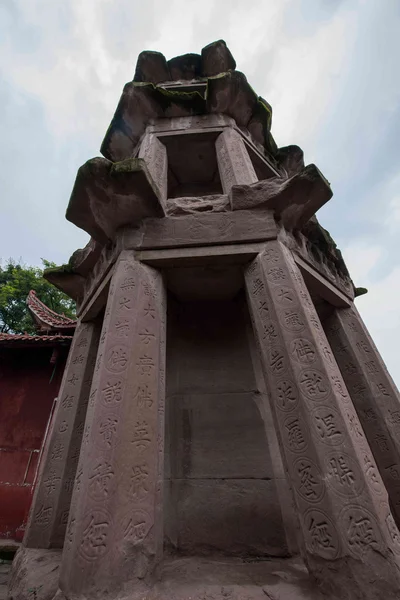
x=34 y=574
x=225 y=578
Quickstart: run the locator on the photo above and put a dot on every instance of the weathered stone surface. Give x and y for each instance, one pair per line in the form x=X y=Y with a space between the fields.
x=83 y=260
x=230 y=93
x=154 y=154
x=50 y=506
x=139 y=104
x=212 y=228
x=186 y=67
x=34 y=574
x=216 y=58
x=345 y=519
x=202 y=204
x=259 y=125
x=115 y=527
x=151 y=67
x=294 y=200
x=107 y=196
x=373 y=392
x=66 y=280
x=234 y=164
x=291 y=158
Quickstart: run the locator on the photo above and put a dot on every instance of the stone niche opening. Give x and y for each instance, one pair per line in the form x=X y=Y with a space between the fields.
x=192 y=164
x=220 y=487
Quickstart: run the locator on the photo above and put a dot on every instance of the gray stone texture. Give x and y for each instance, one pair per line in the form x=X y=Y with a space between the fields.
x=234 y=164
x=115 y=526
x=373 y=393
x=50 y=506
x=294 y=200
x=221 y=484
x=340 y=498
x=216 y=58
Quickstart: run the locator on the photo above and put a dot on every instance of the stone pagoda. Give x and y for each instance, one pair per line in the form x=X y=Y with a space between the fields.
x=226 y=427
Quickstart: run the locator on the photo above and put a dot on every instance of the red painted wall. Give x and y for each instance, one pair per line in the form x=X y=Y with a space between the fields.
x=26 y=399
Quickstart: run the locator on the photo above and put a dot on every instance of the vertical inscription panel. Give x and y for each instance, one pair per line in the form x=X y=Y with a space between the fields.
x=114 y=529
x=234 y=164
x=374 y=395
x=324 y=448
x=50 y=506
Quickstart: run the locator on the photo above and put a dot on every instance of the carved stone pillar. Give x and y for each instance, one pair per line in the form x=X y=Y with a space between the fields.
x=234 y=164
x=373 y=392
x=350 y=538
x=155 y=155
x=115 y=529
x=50 y=507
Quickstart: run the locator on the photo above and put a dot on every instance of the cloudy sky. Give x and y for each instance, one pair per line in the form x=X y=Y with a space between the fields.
x=328 y=67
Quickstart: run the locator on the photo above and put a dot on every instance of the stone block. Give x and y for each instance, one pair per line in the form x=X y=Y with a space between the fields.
x=234 y=516
x=154 y=153
x=212 y=228
x=151 y=67
x=294 y=200
x=216 y=58
x=107 y=196
x=234 y=164
x=186 y=67
x=192 y=205
x=34 y=574
x=231 y=94
x=291 y=158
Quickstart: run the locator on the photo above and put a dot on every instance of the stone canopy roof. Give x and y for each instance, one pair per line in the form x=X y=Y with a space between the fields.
x=205 y=89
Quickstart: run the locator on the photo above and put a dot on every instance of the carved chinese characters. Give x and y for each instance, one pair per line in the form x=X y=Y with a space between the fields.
x=49 y=512
x=326 y=455
x=374 y=394
x=117 y=504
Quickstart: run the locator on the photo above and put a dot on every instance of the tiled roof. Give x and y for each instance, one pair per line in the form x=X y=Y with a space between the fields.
x=46 y=318
x=18 y=339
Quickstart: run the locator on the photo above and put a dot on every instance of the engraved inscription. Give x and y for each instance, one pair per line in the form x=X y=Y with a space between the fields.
x=286 y=395
x=100 y=480
x=141 y=435
x=339 y=386
x=276 y=361
x=139 y=481
x=269 y=332
x=43 y=516
x=292 y=321
x=122 y=328
x=309 y=483
x=143 y=396
x=296 y=439
x=271 y=255
x=108 y=430
x=73 y=379
x=257 y=287
x=394 y=533
x=57 y=451
x=276 y=274
x=313 y=384
x=303 y=351
x=371 y=472
x=361 y=530
x=326 y=422
x=145 y=365
x=67 y=402
x=96 y=528
x=321 y=537
x=285 y=296
x=343 y=475
x=137 y=527
x=112 y=392
x=146 y=337
x=117 y=359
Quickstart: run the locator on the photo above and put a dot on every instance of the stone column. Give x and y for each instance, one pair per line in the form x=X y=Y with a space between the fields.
x=50 y=506
x=234 y=164
x=155 y=155
x=115 y=528
x=350 y=538
x=373 y=393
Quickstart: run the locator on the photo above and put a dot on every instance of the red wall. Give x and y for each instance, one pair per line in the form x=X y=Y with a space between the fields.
x=26 y=399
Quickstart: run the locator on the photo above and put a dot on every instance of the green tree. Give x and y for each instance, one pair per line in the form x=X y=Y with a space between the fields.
x=16 y=280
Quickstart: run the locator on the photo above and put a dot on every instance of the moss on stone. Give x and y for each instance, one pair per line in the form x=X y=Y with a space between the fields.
x=190 y=100
x=61 y=270
x=129 y=165
x=360 y=291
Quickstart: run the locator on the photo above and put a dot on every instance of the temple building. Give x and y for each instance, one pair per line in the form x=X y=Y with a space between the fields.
x=31 y=368
x=226 y=427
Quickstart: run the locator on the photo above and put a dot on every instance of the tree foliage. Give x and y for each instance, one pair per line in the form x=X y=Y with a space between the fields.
x=16 y=280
